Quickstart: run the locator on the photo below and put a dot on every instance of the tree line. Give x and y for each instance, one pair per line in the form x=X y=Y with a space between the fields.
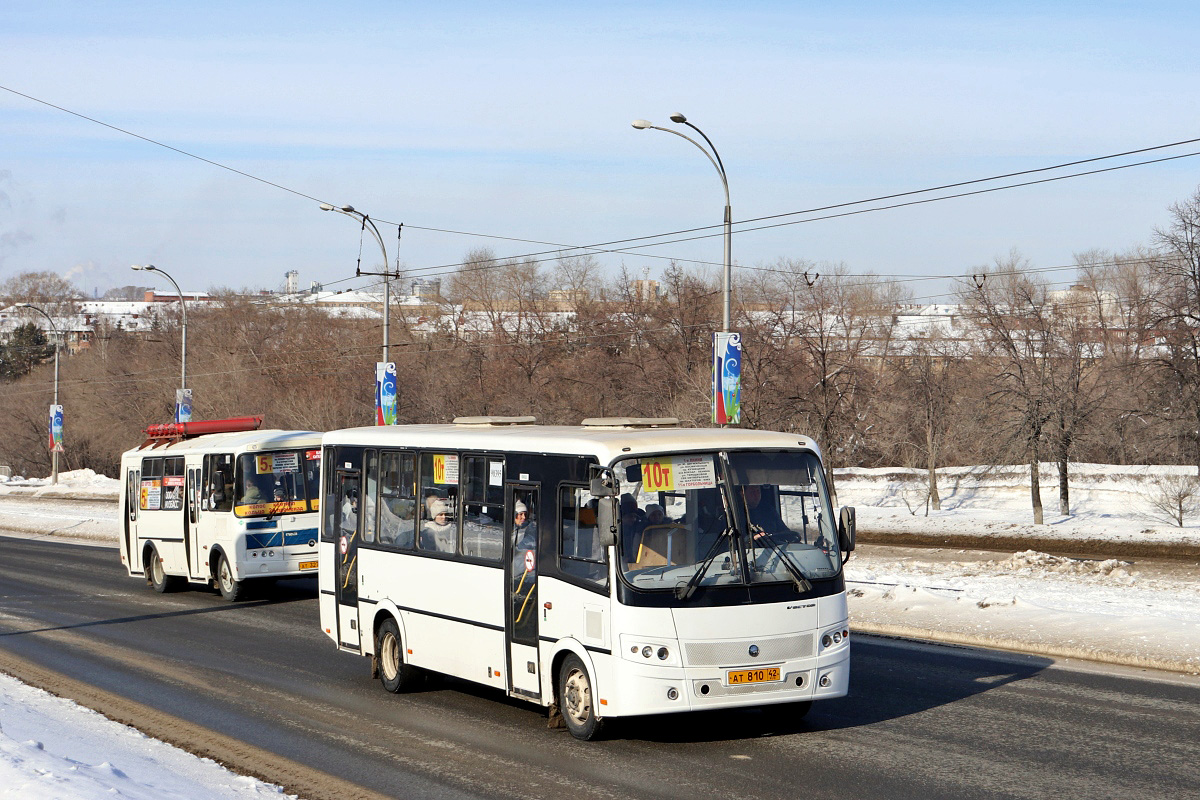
x=1024 y=373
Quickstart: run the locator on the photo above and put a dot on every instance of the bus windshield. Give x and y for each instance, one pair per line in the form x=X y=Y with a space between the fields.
x=276 y=482
x=725 y=519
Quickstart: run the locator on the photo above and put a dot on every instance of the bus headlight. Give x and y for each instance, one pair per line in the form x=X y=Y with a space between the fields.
x=654 y=651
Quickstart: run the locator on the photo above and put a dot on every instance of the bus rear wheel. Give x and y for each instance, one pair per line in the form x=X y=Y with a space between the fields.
x=230 y=587
x=159 y=579
x=576 y=701
x=394 y=674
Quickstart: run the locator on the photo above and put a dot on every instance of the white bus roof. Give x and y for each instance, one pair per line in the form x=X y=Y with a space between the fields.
x=606 y=443
x=271 y=439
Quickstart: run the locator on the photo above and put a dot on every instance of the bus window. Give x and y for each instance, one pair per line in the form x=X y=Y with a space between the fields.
x=579 y=550
x=312 y=478
x=483 y=507
x=371 y=473
x=397 y=499
x=270 y=483
x=218 y=481
x=172 y=484
x=439 y=501
x=150 y=498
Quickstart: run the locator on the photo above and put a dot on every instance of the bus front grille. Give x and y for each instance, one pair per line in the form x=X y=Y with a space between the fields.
x=729 y=653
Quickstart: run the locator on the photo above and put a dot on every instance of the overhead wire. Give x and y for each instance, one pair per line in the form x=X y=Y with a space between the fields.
x=597 y=248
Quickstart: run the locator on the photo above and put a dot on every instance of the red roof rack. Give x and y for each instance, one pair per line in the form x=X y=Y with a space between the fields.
x=174 y=431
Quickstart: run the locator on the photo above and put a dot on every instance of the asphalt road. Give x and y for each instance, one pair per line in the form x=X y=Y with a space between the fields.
x=921 y=721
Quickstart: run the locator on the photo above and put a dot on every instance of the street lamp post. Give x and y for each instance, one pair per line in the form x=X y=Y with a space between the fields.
x=715 y=158
x=183 y=311
x=57 y=338
x=368 y=223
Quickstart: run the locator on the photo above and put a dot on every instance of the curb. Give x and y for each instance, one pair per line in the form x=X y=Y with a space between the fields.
x=1026 y=648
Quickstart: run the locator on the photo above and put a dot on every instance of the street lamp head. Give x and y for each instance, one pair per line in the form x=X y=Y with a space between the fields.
x=677 y=117
x=642 y=124
x=147 y=267
x=326 y=207
x=348 y=209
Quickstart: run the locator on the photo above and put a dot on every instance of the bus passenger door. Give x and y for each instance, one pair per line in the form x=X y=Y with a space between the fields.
x=191 y=506
x=133 y=486
x=521 y=573
x=345 y=515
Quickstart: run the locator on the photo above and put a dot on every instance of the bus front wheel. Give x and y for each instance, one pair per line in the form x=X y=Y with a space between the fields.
x=394 y=674
x=230 y=588
x=576 y=701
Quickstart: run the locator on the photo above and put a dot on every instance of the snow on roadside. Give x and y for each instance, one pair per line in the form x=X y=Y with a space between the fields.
x=52 y=749
x=1108 y=502
x=1036 y=602
x=83 y=484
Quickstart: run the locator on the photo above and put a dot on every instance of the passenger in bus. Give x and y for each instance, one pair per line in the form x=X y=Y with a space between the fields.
x=350 y=512
x=655 y=515
x=762 y=514
x=633 y=522
x=392 y=515
x=437 y=534
x=524 y=529
x=251 y=494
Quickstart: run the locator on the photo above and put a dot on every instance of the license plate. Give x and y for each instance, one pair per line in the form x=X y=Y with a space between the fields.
x=313 y=565
x=736 y=677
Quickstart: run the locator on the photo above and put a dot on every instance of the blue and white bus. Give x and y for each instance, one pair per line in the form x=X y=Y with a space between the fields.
x=222 y=503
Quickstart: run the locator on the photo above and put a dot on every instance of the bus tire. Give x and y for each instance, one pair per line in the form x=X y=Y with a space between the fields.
x=394 y=674
x=231 y=589
x=157 y=576
x=576 y=701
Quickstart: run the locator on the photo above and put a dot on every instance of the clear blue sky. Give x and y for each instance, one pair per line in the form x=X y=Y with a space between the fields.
x=513 y=119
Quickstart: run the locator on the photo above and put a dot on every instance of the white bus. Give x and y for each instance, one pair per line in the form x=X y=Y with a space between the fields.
x=621 y=567
x=221 y=503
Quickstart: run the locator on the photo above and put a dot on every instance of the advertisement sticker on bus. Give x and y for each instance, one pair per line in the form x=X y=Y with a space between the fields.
x=286 y=462
x=312 y=455
x=678 y=473
x=445 y=469
x=151 y=499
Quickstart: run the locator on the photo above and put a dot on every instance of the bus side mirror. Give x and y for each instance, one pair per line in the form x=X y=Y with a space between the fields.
x=606 y=521
x=603 y=483
x=846 y=529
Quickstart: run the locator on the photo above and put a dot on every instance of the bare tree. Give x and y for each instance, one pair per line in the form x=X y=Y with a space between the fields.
x=1010 y=308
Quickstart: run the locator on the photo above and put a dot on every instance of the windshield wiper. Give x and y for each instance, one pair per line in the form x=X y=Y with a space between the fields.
x=685 y=591
x=801 y=582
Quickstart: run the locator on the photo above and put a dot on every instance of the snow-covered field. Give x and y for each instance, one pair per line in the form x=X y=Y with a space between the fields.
x=1121 y=610
x=1111 y=503
x=53 y=749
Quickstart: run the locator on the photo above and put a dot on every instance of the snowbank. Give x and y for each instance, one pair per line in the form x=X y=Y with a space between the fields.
x=51 y=748
x=77 y=484
x=1100 y=609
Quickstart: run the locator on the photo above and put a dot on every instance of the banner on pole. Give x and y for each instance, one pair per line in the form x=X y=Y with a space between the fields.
x=183 y=405
x=385 y=393
x=56 y=429
x=727 y=379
